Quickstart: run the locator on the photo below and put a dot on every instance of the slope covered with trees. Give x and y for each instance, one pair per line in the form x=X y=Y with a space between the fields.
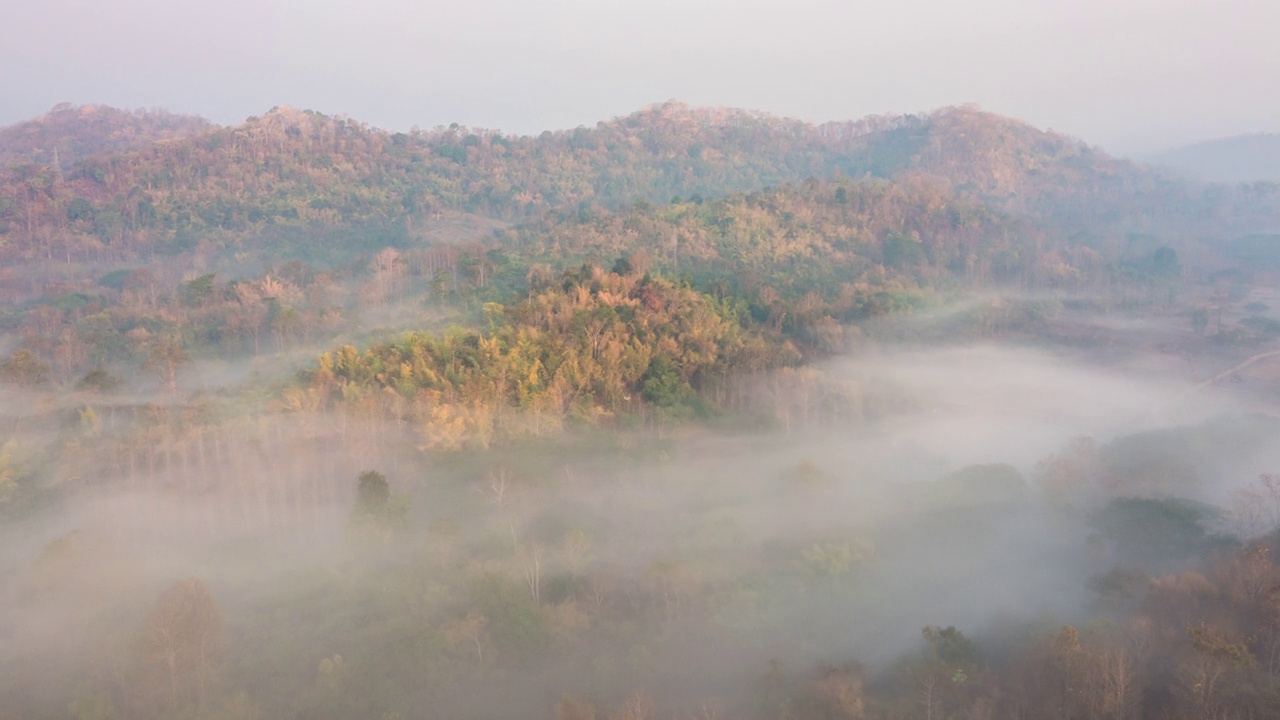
x=292 y=173
x=247 y=470
x=588 y=345
x=195 y=233
x=69 y=133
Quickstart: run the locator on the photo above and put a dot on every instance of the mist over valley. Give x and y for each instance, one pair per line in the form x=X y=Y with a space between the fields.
x=697 y=412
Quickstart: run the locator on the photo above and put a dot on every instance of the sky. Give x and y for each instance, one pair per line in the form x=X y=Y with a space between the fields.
x=1133 y=76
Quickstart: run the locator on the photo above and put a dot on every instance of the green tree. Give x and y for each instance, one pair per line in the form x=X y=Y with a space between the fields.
x=377 y=510
x=1164 y=263
x=901 y=252
x=373 y=494
x=663 y=386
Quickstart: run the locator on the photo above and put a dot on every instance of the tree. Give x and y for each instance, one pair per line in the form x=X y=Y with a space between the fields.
x=1205 y=673
x=376 y=510
x=23 y=368
x=1164 y=263
x=513 y=619
x=1152 y=532
x=9 y=473
x=165 y=355
x=901 y=252
x=636 y=707
x=372 y=493
x=573 y=708
x=180 y=643
x=623 y=266
x=467 y=635
x=663 y=386
x=836 y=694
x=388 y=267
x=201 y=290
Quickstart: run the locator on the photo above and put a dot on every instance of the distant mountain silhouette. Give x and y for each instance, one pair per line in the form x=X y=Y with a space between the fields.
x=1242 y=158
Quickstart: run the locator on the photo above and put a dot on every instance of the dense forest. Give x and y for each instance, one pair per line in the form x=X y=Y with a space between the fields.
x=696 y=413
x=293 y=169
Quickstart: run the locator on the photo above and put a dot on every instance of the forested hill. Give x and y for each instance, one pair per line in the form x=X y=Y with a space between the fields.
x=830 y=240
x=811 y=256
x=291 y=171
x=78 y=131
x=1063 y=184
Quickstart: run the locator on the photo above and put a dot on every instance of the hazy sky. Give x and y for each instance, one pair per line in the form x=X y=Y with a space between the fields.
x=1131 y=75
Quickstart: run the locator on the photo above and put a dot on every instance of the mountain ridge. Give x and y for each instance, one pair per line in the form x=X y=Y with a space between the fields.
x=1251 y=157
x=300 y=168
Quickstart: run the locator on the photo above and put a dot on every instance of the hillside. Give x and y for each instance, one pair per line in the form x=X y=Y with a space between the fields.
x=290 y=174
x=76 y=132
x=687 y=414
x=294 y=228
x=839 y=241
x=1238 y=159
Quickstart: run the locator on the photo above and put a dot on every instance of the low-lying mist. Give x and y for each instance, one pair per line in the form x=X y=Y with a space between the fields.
x=956 y=485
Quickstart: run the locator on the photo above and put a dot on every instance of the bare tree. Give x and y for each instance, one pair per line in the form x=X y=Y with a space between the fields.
x=496 y=484
x=165 y=355
x=533 y=573
x=572 y=708
x=180 y=641
x=469 y=631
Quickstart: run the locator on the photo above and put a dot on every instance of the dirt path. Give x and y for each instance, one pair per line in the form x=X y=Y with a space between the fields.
x=1224 y=375
x=1182 y=396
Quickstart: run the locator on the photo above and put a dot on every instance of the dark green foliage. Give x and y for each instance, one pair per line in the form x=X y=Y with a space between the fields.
x=115 y=279
x=377 y=513
x=79 y=209
x=979 y=485
x=901 y=252
x=98 y=380
x=201 y=290
x=622 y=266
x=373 y=494
x=950 y=645
x=514 y=619
x=455 y=153
x=1152 y=533
x=71 y=301
x=663 y=386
